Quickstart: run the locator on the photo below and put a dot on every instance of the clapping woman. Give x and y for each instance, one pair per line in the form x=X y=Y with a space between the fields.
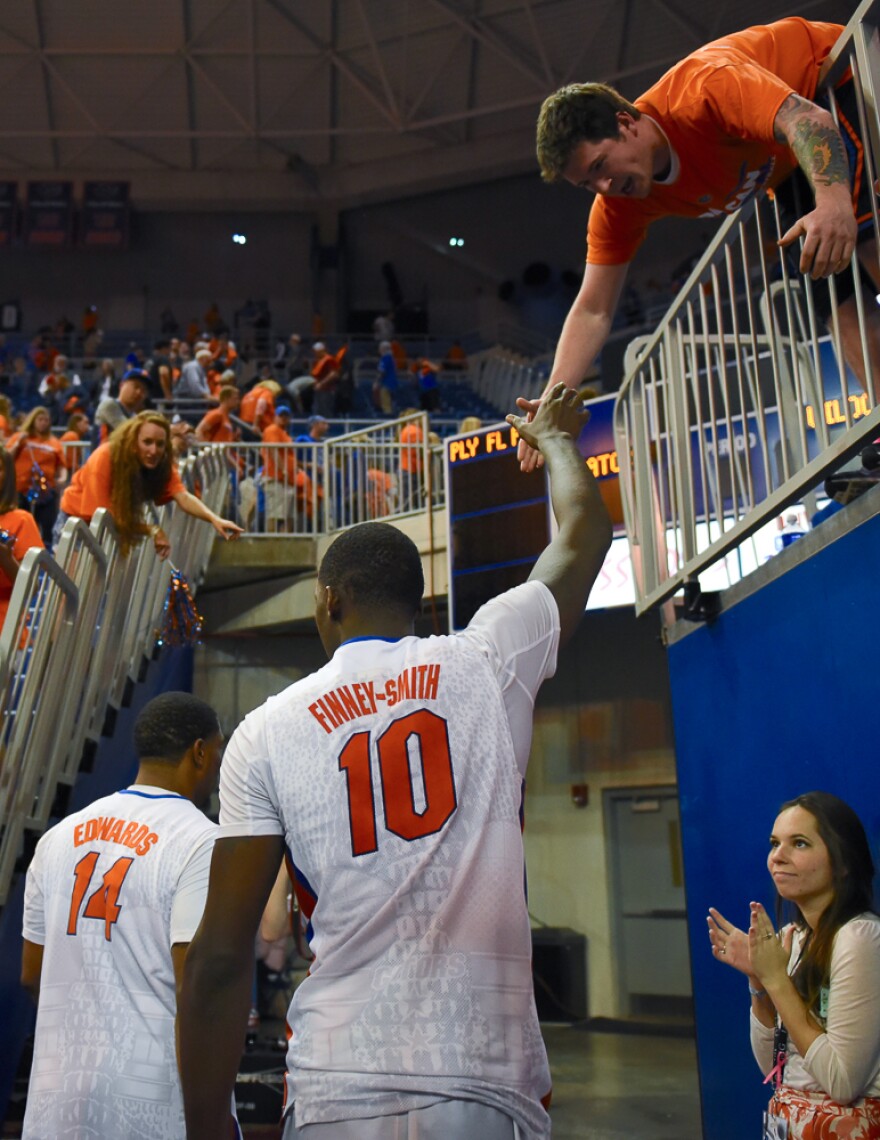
x=815 y=986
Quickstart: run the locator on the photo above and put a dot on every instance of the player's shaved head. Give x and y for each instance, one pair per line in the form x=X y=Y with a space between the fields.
x=170 y=724
x=377 y=567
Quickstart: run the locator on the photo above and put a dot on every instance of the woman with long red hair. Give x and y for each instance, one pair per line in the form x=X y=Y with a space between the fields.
x=133 y=468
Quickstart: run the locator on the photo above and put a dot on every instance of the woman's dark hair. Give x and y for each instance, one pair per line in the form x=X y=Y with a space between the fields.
x=170 y=724
x=8 y=491
x=377 y=566
x=852 y=873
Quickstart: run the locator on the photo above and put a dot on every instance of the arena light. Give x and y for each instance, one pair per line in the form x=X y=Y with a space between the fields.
x=239 y=239
x=456 y=241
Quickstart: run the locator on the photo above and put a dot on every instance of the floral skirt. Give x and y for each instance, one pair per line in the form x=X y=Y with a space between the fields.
x=815 y=1116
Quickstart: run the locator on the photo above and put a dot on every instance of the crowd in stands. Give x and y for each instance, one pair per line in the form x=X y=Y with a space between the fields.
x=55 y=415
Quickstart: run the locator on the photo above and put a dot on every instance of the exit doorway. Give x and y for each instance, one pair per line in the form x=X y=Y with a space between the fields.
x=647 y=900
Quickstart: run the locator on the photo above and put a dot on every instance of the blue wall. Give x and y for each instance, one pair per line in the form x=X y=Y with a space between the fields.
x=776 y=698
x=114 y=768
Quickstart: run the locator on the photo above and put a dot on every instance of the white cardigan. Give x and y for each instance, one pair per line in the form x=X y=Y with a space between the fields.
x=844 y=1062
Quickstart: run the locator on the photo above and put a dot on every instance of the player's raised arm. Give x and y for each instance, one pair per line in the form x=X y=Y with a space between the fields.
x=570 y=564
x=829 y=230
x=584 y=333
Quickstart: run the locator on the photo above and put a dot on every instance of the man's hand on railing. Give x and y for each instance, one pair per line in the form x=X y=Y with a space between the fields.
x=829 y=233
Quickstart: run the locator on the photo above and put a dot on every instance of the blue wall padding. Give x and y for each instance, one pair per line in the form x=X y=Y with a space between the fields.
x=776 y=698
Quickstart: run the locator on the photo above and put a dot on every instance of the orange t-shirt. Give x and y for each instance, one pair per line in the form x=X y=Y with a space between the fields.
x=73 y=456
x=717 y=108
x=411 y=457
x=89 y=489
x=216 y=427
x=47 y=454
x=276 y=461
x=258 y=407
x=27 y=534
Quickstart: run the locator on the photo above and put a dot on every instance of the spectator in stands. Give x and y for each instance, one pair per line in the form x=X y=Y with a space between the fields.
x=297 y=356
x=159 y=370
x=429 y=389
x=193 y=383
x=40 y=469
x=455 y=359
x=326 y=370
x=224 y=354
x=112 y=412
x=183 y=435
x=399 y=354
x=470 y=423
x=168 y=324
x=135 y=357
x=410 y=465
x=107 y=384
x=17 y=523
x=78 y=428
x=310 y=458
x=383 y=328
x=193 y=331
x=58 y=385
x=132 y=469
x=215 y=426
x=212 y=319
x=22 y=385
x=258 y=405
x=385 y=385
x=90 y=320
x=288 y=490
x=5 y=418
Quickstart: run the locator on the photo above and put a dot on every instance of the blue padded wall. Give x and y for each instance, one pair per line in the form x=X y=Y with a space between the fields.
x=776 y=698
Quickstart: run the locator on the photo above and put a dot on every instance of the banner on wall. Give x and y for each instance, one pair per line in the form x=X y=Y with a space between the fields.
x=49 y=214
x=8 y=203
x=105 y=215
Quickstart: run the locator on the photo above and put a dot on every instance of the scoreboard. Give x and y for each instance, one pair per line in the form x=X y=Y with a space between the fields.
x=499 y=518
x=499 y=521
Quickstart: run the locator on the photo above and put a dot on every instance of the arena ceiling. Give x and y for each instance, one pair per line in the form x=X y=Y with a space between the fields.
x=307 y=104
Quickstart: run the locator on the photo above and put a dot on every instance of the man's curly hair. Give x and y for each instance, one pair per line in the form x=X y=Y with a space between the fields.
x=133 y=486
x=574 y=114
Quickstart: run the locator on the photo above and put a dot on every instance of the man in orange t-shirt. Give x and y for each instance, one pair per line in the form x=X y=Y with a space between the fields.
x=410 y=462
x=729 y=121
x=287 y=489
x=215 y=426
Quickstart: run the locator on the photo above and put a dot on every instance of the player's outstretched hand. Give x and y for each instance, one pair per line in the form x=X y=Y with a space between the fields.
x=560 y=412
x=528 y=457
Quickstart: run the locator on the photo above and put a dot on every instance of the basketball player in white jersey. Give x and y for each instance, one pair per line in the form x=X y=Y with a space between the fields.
x=113 y=897
x=392 y=778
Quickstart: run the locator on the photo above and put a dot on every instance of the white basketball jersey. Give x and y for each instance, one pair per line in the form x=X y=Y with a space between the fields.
x=395 y=775
x=109 y=891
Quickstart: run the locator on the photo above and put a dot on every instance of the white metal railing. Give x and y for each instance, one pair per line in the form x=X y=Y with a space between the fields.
x=79 y=629
x=384 y=471
x=742 y=401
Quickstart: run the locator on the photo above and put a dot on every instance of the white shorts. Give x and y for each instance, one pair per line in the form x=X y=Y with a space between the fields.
x=446 y=1120
x=279 y=500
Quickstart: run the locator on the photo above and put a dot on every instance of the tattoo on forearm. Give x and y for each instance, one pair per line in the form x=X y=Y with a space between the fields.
x=816 y=144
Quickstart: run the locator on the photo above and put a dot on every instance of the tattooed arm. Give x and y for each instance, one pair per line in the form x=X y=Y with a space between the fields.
x=829 y=230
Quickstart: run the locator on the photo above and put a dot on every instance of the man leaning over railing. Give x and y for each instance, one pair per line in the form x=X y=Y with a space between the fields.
x=732 y=119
